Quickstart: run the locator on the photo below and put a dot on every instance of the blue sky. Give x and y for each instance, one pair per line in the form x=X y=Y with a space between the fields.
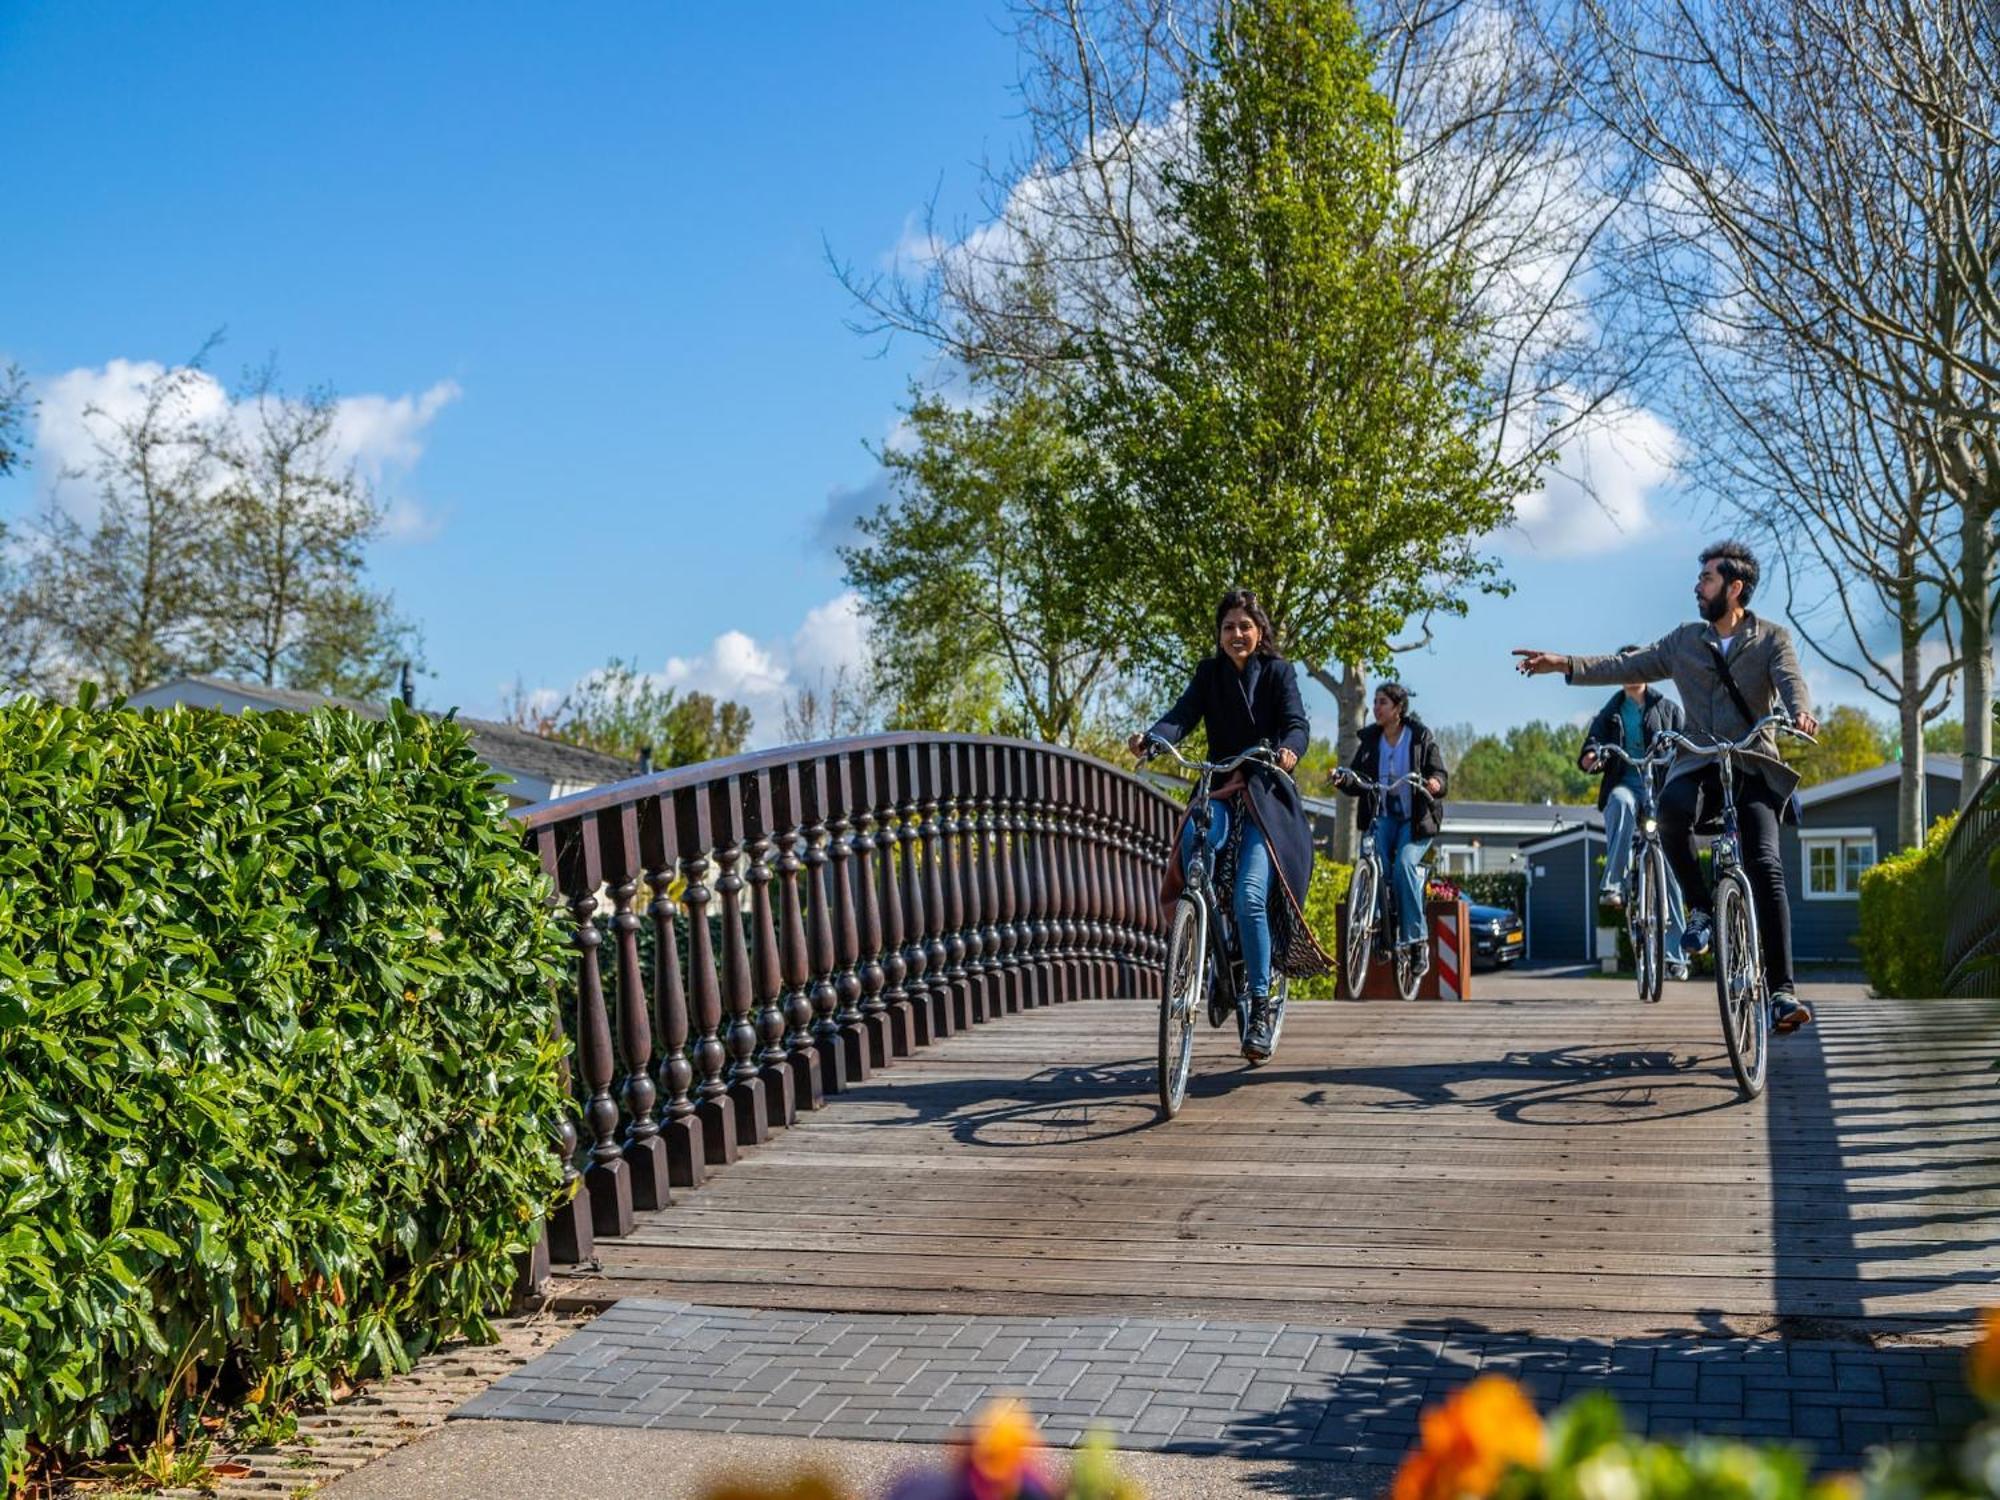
x=577 y=255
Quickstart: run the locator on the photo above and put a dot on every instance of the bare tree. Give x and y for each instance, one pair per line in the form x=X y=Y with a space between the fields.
x=1824 y=171
x=16 y=407
x=123 y=577
x=1795 y=445
x=292 y=519
x=830 y=707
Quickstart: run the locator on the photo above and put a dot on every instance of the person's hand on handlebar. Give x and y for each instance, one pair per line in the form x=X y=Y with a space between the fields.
x=1286 y=760
x=1591 y=760
x=1141 y=745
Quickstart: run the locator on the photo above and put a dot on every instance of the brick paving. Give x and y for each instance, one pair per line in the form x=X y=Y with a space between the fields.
x=1270 y=1390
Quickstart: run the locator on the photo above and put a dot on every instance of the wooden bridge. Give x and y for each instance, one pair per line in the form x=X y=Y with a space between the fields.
x=911 y=1070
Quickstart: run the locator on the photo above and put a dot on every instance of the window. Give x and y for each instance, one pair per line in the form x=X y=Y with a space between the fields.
x=1834 y=862
x=1457 y=859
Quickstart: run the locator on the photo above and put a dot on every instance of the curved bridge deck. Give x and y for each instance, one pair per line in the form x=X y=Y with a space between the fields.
x=1557 y=1160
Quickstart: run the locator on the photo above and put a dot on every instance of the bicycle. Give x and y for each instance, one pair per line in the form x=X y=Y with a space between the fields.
x=1202 y=950
x=1645 y=878
x=1371 y=904
x=1741 y=991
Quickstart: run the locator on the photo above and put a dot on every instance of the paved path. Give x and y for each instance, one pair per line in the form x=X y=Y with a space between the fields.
x=1554 y=1181
x=1261 y=1390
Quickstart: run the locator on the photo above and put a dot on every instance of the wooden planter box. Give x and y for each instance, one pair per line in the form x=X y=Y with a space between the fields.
x=1450 y=927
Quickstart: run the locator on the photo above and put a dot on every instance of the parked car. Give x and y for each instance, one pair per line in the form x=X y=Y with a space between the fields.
x=1498 y=936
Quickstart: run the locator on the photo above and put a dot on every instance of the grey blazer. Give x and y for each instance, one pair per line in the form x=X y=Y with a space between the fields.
x=1763 y=663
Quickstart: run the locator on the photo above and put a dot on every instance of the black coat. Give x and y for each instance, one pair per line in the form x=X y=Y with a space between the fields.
x=1426 y=813
x=1268 y=710
x=1608 y=728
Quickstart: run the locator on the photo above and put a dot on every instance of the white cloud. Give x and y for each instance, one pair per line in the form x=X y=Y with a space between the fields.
x=381 y=436
x=1596 y=498
x=764 y=675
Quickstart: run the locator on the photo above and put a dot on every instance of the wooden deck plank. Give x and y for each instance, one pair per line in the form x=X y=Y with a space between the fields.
x=1559 y=1159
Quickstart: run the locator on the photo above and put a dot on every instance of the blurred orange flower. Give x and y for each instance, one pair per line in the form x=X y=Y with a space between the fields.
x=1471 y=1440
x=1982 y=1361
x=1003 y=1443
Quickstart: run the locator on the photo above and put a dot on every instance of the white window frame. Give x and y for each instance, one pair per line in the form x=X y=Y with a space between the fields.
x=1838 y=840
x=1468 y=852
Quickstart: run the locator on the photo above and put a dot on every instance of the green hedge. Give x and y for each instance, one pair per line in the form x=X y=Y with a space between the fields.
x=1508 y=888
x=276 y=997
x=1902 y=918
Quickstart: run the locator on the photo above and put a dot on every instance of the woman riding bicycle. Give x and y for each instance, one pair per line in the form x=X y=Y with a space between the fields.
x=1244 y=695
x=1395 y=745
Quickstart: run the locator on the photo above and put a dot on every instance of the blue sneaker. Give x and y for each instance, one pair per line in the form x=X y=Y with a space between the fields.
x=1696 y=936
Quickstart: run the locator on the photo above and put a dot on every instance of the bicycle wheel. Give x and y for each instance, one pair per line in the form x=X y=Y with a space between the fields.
x=1739 y=984
x=1361 y=894
x=1646 y=921
x=1183 y=985
x=1407 y=977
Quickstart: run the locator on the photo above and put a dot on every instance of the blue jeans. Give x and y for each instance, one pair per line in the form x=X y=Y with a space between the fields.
x=1621 y=821
x=1252 y=894
x=1402 y=860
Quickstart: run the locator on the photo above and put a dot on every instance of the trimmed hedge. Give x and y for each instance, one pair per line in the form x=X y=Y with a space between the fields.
x=1508 y=888
x=276 y=1060
x=1903 y=916
x=1323 y=897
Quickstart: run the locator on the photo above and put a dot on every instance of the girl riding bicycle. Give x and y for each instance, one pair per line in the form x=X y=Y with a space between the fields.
x=1396 y=744
x=1247 y=694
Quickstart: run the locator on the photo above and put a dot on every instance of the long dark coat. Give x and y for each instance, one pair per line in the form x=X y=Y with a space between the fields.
x=1261 y=705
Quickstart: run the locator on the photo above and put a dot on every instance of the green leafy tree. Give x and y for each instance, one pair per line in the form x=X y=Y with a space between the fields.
x=1534 y=762
x=622 y=711
x=16 y=406
x=981 y=579
x=1304 y=413
x=1850 y=740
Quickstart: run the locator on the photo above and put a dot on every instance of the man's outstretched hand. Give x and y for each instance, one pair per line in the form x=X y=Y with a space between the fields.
x=1536 y=663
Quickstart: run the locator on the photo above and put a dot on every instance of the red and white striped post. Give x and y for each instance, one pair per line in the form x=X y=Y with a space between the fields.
x=1449 y=961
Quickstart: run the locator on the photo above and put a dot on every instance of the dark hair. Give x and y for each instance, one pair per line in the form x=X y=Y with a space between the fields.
x=1247 y=601
x=1735 y=563
x=1397 y=694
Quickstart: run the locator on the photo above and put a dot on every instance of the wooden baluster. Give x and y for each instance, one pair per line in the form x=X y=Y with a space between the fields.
x=712 y=1103
x=988 y=821
x=966 y=827
x=606 y=1178
x=852 y=1023
x=946 y=1014
x=1132 y=943
x=680 y=1127
x=1006 y=805
x=746 y=1089
x=781 y=1103
x=899 y=1023
x=1039 y=867
x=875 y=1023
x=796 y=1054
x=571 y=1240
x=1019 y=804
x=950 y=784
x=1062 y=935
x=1088 y=891
x=909 y=779
x=645 y=1152
x=1104 y=955
x=825 y=993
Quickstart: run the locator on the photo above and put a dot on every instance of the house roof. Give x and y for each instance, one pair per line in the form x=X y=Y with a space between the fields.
x=501 y=746
x=1948 y=766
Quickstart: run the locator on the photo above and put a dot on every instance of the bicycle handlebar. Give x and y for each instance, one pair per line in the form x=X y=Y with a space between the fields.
x=1381 y=789
x=1261 y=754
x=1782 y=722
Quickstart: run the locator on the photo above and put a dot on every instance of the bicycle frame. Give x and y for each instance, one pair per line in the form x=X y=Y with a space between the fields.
x=1381 y=896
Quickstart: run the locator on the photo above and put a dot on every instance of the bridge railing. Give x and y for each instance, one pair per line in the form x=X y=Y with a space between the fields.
x=1972 y=895
x=782 y=924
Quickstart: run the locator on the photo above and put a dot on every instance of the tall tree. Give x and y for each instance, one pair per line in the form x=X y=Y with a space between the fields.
x=1827 y=170
x=1307 y=418
x=987 y=601
x=292 y=519
x=16 y=407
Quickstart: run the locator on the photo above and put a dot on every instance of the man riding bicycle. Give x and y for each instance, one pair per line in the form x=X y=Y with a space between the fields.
x=1635 y=714
x=1730 y=669
x=1246 y=694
